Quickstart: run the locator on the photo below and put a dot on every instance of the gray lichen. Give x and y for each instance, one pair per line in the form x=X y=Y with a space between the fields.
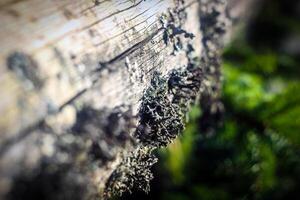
x=164 y=105
x=160 y=121
x=172 y=23
x=133 y=173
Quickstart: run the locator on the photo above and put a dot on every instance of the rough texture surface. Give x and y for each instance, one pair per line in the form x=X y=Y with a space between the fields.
x=90 y=88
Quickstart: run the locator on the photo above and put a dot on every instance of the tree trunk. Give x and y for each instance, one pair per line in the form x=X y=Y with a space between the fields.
x=90 y=88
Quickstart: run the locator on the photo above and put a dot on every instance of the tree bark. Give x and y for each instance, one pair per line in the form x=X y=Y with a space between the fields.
x=90 y=88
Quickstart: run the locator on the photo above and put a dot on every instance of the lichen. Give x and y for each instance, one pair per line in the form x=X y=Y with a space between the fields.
x=172 y=23
x=163 y=108
x=164 y=105
x=132 y=173
x=160 y=121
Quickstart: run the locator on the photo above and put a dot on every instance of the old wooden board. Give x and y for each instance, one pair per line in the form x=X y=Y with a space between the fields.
x=90 y=88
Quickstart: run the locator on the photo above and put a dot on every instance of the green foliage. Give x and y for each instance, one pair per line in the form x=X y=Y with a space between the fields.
x=245 y=90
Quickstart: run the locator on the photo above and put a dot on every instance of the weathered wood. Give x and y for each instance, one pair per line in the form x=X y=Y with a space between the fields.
x=66 y=41
x=89 y=88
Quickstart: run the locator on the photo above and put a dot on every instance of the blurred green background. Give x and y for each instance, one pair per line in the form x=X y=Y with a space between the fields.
x=255 y=152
